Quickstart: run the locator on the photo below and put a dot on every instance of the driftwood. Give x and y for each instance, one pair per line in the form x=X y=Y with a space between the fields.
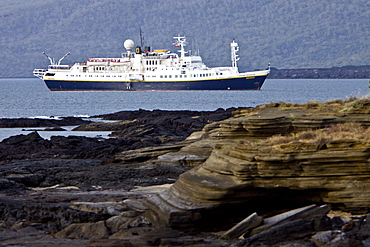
x=293 y=223
x=243 y=226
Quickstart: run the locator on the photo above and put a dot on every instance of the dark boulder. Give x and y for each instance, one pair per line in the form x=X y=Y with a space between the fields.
x=37 y=122
x=23 y=146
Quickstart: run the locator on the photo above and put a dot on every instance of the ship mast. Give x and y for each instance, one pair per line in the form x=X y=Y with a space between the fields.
x=234 y=56
x=141 y=39
x=181 y=41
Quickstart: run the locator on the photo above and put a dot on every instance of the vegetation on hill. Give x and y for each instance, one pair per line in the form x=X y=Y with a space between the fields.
x=285 y=33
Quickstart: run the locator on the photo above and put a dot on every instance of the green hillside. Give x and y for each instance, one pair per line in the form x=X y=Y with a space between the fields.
x=285 y=33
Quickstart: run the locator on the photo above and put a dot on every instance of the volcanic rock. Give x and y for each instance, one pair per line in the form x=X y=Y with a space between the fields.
x=38 y=122
x=269 y=160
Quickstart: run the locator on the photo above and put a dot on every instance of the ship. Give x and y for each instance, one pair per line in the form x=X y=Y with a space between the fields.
x=143 y=69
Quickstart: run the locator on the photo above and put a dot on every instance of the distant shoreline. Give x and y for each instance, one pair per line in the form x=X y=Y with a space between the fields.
x=345 y=72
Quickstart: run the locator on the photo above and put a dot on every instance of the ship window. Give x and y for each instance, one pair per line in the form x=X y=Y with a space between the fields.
x=185 y=76
x=180 y=76
x=161 y=76
x=176 y=76
x=170 y=76
x=165 y=76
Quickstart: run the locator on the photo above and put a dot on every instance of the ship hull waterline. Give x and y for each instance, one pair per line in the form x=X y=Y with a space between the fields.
x=239 y=83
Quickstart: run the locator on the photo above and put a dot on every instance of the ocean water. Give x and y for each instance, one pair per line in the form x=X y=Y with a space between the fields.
x=29 y=97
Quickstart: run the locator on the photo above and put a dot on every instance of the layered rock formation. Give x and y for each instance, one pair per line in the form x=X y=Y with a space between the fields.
x=247 y=169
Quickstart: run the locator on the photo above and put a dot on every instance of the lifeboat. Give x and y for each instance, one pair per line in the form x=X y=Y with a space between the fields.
x=119 y=62
x=97 y=62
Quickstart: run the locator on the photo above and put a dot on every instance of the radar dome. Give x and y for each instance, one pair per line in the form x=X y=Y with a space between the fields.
x=128 y=44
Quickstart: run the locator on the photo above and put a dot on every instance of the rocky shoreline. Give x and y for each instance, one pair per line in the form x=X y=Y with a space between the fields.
x=237 y=177
x=344 y=72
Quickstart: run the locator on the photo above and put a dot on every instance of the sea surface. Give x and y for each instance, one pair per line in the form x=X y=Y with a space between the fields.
x=29 y=97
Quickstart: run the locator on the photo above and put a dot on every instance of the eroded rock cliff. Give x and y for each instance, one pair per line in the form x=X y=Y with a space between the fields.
x=271 y=157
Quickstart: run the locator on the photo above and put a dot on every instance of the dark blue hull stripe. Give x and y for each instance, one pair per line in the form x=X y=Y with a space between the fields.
x=240 y=83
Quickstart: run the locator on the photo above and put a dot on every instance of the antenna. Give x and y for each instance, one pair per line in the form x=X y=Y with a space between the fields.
x=141 y=38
